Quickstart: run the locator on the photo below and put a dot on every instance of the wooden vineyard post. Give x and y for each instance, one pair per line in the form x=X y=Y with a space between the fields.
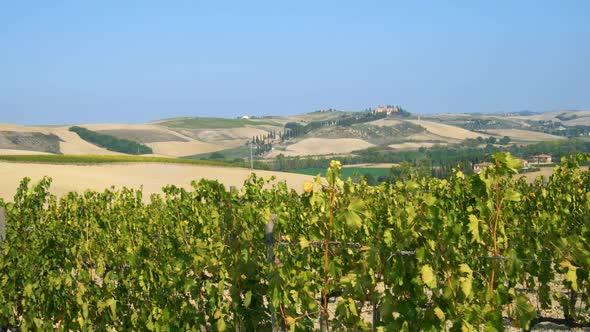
x=270 y=242
x=2 y=224
x=376 y=316
x=323 y=323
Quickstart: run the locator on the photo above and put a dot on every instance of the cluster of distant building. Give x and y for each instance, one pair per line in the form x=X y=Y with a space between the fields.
x=379 y=109
x=540 y=159
x=387 y=109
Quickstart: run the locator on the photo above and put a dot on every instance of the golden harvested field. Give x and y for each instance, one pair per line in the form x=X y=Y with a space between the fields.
x=182 y=149
x=524 y=135
x=444 y=130
x=19 y=152
x=18 y=128
x=413 y=145
x=584 y=121
x=323 y=146
x=551 y=115
x=232 y=136
x=545 y=172
x=384 y=122
x=71 y=143
x=430 y=137
x=151 y=176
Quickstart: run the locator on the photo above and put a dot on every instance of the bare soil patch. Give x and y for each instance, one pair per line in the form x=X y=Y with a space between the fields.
x=30 y=141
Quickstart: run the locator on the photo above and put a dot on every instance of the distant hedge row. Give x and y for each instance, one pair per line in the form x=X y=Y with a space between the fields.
x=111 y=143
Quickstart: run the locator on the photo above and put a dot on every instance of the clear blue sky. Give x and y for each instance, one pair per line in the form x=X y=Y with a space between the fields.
x=135 y=61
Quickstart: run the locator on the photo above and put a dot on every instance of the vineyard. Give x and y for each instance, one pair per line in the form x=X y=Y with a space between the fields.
x=468 y=253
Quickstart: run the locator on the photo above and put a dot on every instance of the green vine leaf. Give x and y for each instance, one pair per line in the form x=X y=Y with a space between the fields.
x=524 y=311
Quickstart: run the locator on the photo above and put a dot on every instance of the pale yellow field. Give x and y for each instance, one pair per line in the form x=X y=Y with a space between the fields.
x=113 y=126
x=72 y=144
x=182 y=149
x=524 y=135
x=584 y=121
x=444 y=130
x=544 y=171
x=232 y=136
x=413 y=145
x=151 y=176
x=323 y=146
x=18 y=128
x=552 y=115
x=123 y=126
x=19 y=152
x=430 y=137
x=384 y=122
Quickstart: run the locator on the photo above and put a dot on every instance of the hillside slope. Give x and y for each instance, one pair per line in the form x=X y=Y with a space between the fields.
x=443 y=130
x=163 y=141
x=322 y=146
x=524 y=135
x=326 y=132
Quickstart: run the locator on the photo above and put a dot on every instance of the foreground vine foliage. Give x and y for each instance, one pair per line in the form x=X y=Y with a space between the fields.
x=461 y=254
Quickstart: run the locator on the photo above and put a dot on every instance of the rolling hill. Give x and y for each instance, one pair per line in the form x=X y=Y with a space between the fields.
x=325 y=133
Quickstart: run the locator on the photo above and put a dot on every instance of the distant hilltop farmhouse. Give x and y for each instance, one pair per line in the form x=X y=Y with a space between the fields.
x=539 y=159
x=387 y=109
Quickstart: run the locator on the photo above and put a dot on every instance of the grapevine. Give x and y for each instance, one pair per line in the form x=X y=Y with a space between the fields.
x=466 y=253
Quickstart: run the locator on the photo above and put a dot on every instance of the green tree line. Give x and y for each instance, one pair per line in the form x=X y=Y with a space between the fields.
x=111 y=143
x=440 y=160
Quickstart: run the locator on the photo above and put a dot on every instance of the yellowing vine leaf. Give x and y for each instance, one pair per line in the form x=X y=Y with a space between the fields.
x=290 y=321
x=466 y=281
x=572 y=277
x=308 y=186
x=112 y=303
x=221 y=325
x=427 y=276
x=439 y=314
x=303 y=243
x=473 y=228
